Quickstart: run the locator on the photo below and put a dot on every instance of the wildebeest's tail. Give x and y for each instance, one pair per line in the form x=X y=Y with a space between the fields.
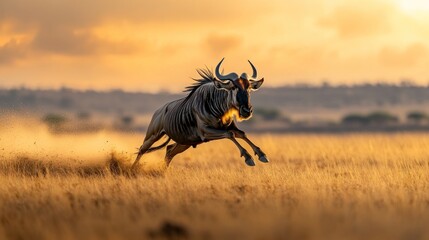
x=159 y=147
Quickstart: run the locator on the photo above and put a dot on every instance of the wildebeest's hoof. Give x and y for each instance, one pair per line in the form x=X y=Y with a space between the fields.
x=263 y=159
x=249 y=161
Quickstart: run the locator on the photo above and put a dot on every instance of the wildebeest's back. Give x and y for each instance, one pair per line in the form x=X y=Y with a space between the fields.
x=180 y=124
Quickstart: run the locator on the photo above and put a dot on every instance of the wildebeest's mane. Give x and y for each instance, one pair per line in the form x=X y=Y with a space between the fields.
x=206 y=77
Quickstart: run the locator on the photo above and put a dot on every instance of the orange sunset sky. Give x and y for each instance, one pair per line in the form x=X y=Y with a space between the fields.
x=141 y=45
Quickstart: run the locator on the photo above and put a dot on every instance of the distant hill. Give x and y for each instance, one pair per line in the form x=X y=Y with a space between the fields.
x=67 y=100
x=288 y=108
x=287 y=99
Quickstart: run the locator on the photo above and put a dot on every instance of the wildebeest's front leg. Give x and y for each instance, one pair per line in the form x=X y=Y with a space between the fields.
x=215 y=134
x=242 y=135
x=261 y=155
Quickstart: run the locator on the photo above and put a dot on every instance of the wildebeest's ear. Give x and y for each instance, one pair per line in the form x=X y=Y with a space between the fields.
x=256 y=84
x=225 y=85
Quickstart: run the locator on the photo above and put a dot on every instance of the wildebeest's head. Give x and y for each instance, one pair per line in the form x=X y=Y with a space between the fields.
x=241 y=87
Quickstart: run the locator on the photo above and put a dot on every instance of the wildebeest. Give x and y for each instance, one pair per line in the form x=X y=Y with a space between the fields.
x=207 y=113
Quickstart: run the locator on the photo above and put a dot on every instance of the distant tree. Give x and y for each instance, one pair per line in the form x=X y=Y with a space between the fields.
x=417 y=117
x=407 y=83
x=127 y=120
x=355 y=119
x=380 y=117
x=54 y=120
x=326 y=84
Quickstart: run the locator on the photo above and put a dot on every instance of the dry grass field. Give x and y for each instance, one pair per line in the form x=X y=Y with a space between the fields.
x=350 y=186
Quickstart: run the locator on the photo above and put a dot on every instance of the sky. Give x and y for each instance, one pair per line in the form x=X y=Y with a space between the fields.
x=155 y=46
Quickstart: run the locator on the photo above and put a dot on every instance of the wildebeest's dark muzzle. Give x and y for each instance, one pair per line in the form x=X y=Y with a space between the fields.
x=246 y=112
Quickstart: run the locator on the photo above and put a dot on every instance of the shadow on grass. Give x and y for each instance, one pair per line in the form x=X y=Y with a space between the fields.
x=114 y=165
x=169 y=230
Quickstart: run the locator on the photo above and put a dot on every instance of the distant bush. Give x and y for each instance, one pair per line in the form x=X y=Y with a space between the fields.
x=127 y=120
x=382 y=118
x=268 y=114
x=356 y=119
x=417 y=117
x=377 y=118
x=54 y=120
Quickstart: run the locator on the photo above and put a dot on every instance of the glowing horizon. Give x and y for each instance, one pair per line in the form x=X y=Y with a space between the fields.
x=141 y=46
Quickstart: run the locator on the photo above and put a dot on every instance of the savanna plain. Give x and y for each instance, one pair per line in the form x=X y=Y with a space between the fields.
x=317 y=186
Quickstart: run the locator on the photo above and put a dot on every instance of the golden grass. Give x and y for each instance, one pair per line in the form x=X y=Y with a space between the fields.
x=354 y=186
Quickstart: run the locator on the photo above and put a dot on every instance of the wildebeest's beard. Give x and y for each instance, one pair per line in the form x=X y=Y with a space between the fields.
x=245 y=109
x=241 y=87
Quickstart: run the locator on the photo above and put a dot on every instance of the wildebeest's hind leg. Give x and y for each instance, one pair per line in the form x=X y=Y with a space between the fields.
x=173 y=150
x=146 y=145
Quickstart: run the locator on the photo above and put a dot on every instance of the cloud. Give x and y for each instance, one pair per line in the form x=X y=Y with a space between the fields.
x=86 y=13
x=102 y=42
x=68 y=41
x=65 y=27
x=410 y=56
x=359 y=19
x=218 y=45
x=302 y=60
x=12 y=51
x=64 y=41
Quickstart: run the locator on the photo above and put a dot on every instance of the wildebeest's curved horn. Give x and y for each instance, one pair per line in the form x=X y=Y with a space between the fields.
x=231 y=76
x=255 y=73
